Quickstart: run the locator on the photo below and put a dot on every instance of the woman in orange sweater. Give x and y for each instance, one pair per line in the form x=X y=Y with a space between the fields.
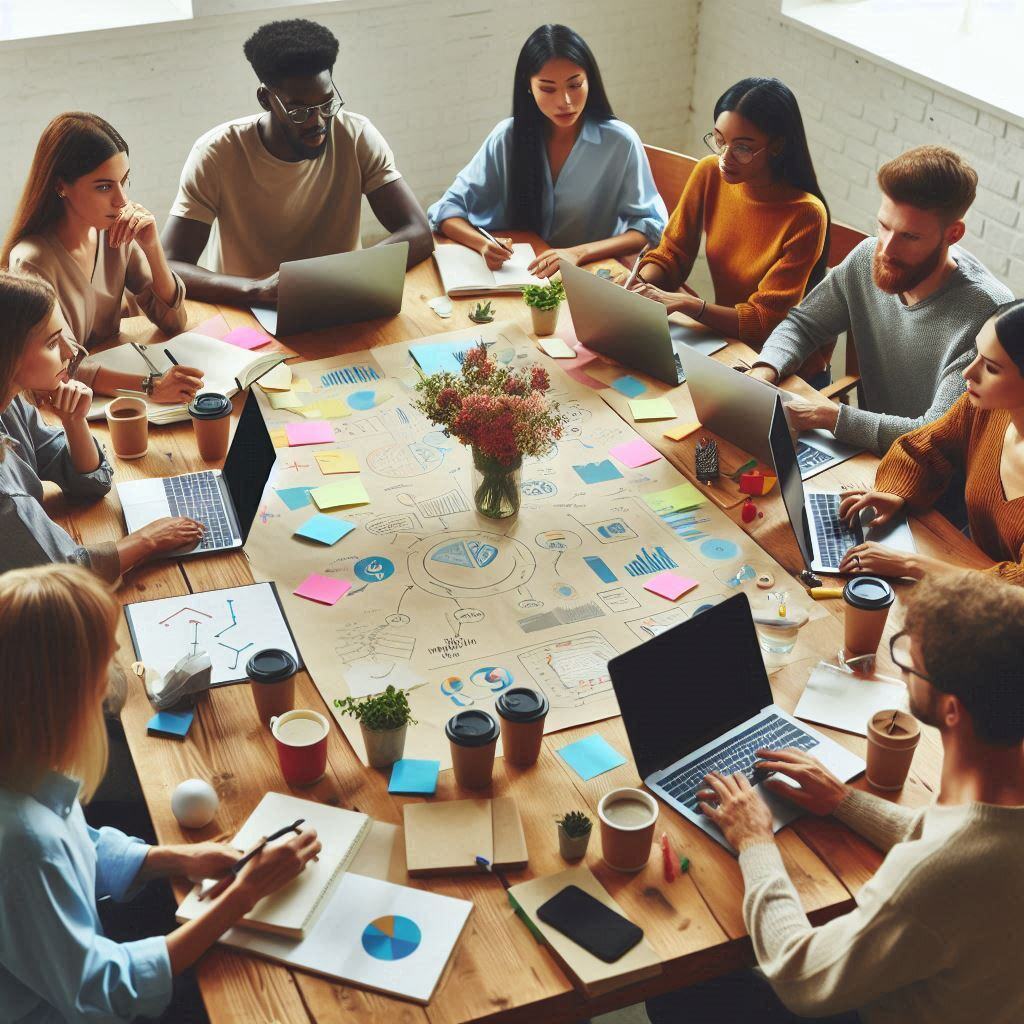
x=982 y=435
x=760 y=206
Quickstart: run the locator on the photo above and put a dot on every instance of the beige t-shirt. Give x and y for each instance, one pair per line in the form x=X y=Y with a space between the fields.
x=267 y=211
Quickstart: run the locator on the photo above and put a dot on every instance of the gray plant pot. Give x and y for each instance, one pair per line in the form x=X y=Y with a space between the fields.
x=572 y=847
x=383 y=748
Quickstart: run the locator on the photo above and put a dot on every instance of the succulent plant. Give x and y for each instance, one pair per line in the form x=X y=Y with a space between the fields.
x=575 y=824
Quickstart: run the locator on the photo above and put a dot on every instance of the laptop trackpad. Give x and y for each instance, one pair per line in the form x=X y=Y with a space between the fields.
x=700 y=341
x=894 y=534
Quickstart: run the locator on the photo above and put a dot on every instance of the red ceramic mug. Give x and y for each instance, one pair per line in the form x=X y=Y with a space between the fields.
x=301 y=740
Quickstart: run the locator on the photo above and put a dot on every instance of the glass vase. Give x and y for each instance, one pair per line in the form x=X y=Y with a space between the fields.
x=496 y=486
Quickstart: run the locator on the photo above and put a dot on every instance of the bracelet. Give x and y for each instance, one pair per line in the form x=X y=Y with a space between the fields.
x=699 y=316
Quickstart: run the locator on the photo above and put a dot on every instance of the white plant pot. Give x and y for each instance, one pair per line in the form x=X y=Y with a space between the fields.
x=383 y=748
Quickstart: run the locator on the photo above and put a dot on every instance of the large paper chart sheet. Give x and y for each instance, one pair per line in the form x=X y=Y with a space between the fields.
x=463 y=607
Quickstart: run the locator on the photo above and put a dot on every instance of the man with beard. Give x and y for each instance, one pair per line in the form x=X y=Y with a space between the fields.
x=286 y=184
x=927 y=939
x=911 y=299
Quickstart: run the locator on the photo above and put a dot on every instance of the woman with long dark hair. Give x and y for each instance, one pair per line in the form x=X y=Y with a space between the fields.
x=561 y=166
x=759 y=204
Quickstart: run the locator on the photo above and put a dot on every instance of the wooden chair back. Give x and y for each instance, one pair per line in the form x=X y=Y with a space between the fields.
x=843 y=239
x=671 y=171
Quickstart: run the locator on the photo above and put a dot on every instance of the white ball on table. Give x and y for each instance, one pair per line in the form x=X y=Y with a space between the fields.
x=194 y=803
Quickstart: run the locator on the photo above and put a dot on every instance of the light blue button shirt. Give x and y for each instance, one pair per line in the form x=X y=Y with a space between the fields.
x=55 y=963
x=604 y=188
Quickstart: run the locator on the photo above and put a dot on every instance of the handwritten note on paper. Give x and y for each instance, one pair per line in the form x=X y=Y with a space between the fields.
x=337 y=462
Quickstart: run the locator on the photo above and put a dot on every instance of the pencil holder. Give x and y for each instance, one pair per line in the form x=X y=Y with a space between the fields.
x=707 y=460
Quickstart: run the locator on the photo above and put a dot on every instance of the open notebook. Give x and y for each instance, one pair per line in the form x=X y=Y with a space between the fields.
x=224 y=367
x=293 y=909
x=464 y=272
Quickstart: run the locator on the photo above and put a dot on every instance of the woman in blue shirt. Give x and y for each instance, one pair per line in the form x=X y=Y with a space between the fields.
x=561 y=166
x=56 y=965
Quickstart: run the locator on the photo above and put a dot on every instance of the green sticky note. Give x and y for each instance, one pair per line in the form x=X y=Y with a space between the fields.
x=651 y=409
x=349 y=491
x=680 y=498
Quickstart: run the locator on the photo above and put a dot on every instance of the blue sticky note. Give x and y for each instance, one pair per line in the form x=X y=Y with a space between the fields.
x=411 y=776
x=629 y=386
x=598 y=472
x=325 y=529
x=590 y=756
x=294 y=497
x=172 y=724
x=443 y=357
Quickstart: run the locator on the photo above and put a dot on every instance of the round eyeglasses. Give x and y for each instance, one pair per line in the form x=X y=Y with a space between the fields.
x=300 y=115
x=741 y=152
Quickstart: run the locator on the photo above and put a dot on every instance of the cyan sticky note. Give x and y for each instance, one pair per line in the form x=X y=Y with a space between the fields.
x=325 y=529
x=597 y=472
x=591 y=756
x=294 y=497
x=629 y=386
x=412 y=776
x=173 y=725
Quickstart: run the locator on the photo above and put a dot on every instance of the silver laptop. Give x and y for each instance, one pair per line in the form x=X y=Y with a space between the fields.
x=696 y=699
x=629 y=328
x=225 y=502
x=344 y=288
x=824 y=538
x=740 y=409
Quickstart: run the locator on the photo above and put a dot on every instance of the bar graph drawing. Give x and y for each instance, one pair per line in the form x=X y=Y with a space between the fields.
x=349 y=375
x=648 y=562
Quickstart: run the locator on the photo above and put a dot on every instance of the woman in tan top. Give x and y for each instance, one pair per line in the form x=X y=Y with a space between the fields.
x=76 y=228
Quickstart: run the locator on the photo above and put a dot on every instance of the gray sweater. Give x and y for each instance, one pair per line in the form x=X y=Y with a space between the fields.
x=34 y=452
x=910 y=357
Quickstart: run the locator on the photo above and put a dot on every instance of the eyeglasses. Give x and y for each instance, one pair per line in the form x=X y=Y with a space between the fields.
x=300 y=115
x=741 y=152
x=899 y=651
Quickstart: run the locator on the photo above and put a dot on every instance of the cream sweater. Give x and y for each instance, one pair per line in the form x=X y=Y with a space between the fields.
x=933 y=938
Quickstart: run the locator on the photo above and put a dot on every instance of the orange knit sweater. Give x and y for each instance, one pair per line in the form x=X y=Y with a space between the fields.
x=920 y=464
x=762 y=244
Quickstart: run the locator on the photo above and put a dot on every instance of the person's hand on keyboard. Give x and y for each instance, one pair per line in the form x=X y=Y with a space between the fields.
x=171 y=534
x=741 y=813
x=886 y=506
x=820 y=792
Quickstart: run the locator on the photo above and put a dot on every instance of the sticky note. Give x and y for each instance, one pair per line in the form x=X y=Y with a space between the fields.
x=674 y=499
x=284 y=400
x=313 y=432
x=337 y=462
x=669 y=585
x=302 y=386
x=635 y=453
x=324 y=589
x=294 y=497
x=678 y=433
x=345 y=492
x=591 y=756
x=325 y=529
x=278 y=438
x=651 y=409
x=173 y=725
x=412 y=776
x=629 y=386
x=597 y=472
x=332 y=408
x=556 y=348
x=277 y=379
x=246 y=337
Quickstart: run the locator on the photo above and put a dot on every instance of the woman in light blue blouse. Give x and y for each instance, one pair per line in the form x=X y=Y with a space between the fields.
x=561 y=166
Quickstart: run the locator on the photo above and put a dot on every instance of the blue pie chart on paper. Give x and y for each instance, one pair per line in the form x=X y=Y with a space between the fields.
x=720 y=549
x=391 y=937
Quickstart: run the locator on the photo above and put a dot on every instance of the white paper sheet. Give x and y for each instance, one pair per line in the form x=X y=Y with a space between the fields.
x=847 y=701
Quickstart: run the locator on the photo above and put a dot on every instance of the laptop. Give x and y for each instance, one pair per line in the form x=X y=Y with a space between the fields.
x=629 y=328
x=343 y=288
x=740 y=409
x=823 y=538
x=224 y=501
x=696 y=699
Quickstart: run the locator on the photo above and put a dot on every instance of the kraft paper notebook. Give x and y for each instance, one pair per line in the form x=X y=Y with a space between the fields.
x=293 y=909
x=464 y=272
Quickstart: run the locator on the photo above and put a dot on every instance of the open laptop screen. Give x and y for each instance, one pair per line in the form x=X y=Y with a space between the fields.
x=248 y=464
x=684 y=687
x=787 y=469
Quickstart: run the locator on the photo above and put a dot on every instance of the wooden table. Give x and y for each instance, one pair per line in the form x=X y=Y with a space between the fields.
x=497 y=972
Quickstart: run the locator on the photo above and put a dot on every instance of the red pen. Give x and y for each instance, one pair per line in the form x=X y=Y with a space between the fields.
x=666 y=858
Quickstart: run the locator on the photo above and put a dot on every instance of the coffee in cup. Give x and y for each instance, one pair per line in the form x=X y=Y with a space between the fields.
x=211 y=421
x=522 y=712
x=868 y=600
x=128 y=422
x=628 y=817
x=301 y=740
x=473 y=736
x=892 y=739
x=271 y=675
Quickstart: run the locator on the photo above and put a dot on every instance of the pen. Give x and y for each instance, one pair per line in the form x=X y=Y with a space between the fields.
x=239 y=864
x=491 y=238
x=636 y=266
x=167 y=352
x=149 y=362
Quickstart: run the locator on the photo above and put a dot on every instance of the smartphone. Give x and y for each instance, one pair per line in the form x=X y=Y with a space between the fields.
x=590 y=924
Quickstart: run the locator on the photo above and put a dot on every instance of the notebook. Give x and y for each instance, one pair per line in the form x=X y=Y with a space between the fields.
x=464 y=272
x=293 y=909
x=224 y=367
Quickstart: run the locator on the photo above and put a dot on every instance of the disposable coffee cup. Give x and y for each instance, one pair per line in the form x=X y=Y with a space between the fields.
x=128 y=421
x=628 y=817
x=892 y=739
x=473 y=735
x=211 y=421
x=301 y=740
x=868 y=600
x=271 y=675
x=522 y=712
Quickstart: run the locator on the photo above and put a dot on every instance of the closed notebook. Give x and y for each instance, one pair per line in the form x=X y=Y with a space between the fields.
x=464 y=271
x=293 y=909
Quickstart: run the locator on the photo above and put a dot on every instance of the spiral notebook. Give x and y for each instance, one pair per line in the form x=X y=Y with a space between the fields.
x=293 y=909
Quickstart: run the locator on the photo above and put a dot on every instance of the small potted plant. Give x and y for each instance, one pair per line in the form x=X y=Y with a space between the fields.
x=383 y=719
x=544 y=300
x=482 y=313
x=574 y=830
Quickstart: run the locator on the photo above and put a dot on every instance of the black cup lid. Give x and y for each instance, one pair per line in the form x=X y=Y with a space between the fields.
x=209 y=405
x=271 y=666
x=472 y=729
x=871 y=593
x=521 y=704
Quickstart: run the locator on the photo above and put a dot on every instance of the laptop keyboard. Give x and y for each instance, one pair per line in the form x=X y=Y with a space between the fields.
x=808 y=457
x=835 y=538
x=198 y=496
x=736 y=754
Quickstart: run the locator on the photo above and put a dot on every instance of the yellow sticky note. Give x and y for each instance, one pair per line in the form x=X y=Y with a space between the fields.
x=277 y=379
x=346 y=492
x=678 y=433
x=333 y=408
x=337 y=462
x=556 y=348
x=284 y=400
x=675 y=499
x=309 y=412
x=279 y=438
x=651 y=409
x=302 y=385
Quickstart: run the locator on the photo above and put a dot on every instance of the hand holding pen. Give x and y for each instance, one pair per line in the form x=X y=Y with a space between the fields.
x=496 y=251
x=177 y=385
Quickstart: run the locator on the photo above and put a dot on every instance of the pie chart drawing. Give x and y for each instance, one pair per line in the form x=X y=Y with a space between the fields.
x=391 y=937
x=719 y=549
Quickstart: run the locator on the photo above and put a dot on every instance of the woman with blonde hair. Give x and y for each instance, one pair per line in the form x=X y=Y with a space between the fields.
x=55 y=962
x=76 y=228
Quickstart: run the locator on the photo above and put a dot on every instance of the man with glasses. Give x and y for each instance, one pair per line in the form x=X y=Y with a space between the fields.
x=930 y=939
x=286 y=184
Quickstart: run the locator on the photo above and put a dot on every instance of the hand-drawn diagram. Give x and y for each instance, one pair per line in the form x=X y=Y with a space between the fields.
x=470 y=564
x=573 y=671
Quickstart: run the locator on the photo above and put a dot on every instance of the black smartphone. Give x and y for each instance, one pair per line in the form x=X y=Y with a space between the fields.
x=590 y=924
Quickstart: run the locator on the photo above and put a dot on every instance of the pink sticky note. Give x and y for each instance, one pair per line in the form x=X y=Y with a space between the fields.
x=310 y=432
x=669 y=585
x=324 y=589
x=216 y=327
x=246 y=337
x=635 y=453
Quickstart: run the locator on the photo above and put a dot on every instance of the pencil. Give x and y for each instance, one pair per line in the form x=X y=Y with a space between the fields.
x=258 y=848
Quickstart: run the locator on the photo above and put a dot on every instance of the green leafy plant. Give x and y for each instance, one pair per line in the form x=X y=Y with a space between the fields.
x=575 y=824
x=544 y=296
x=379 y=712
x=482 y=312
